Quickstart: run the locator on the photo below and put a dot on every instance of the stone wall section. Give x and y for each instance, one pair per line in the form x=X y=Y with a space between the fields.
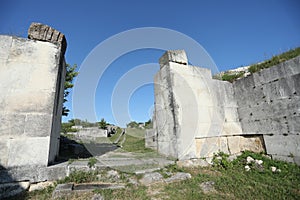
x=32 y=77
x=269 y=105
x=196 y=116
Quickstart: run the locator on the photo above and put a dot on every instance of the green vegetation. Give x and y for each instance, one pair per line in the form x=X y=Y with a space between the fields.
x=275 y=60
x=135 y=144
x=132 y=124
x=92 y=162
x=102 y=124
x=231 y=181
x=232 y=76
x=80 y=177
x=149 y=124
x=70 y=75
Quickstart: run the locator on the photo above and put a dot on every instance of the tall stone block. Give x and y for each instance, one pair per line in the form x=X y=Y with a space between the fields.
x=32 y=75
x=190 y=105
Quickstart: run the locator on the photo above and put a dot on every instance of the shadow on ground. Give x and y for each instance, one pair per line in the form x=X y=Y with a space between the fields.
x=72 y=149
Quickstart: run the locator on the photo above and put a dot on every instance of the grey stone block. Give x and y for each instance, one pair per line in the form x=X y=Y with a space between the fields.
x=177 y=56
x=281 y=145
x=28 y=151
x=38 y=125
x=12 y=124
x=151 y=178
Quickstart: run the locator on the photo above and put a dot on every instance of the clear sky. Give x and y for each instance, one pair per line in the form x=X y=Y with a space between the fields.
x=232 y=32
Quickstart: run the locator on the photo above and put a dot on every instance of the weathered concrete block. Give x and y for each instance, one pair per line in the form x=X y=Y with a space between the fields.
x=281 y=145
x=11 y=124
x=21 y=151
x=177 y=56
x=291 y=67
x=32 y=75
x=38 y=125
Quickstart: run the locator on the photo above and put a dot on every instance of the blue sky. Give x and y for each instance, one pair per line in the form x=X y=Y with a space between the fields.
x=234 y=33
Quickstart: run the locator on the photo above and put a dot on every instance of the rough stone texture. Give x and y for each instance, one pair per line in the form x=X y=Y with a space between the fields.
x=13 y=189
x=32 y=77
x=42 y=32
x=269 y=105
x=179 y=176
x=89 y=133
x=177 y=56
x=150 y=139
x=196 y=116
x=208 y=187
x=192 y=163
x=62 y=190
x=150 y=178
x=40 y=185
x=189 y=104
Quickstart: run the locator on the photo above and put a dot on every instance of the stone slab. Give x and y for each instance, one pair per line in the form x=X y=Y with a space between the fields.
x=283 y=145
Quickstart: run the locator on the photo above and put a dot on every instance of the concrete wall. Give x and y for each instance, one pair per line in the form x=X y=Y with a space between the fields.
x=90 y=133
x=191 y=108
x=269 y=105
x=31 y=86
x=196 y=116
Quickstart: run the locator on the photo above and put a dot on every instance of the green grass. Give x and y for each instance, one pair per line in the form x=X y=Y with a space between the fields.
x=232 y=77
x=135 y=144
x=231 y=182
x=275 y=60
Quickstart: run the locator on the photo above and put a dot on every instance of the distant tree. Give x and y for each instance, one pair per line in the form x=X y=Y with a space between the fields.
x=70 y=75
x=132 y=124
x=149 y=124
x=102 y=124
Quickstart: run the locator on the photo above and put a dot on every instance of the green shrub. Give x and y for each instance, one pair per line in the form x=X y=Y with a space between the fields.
x=92 y=162
x=231 y=77
x=275 y=60
x=80 y=177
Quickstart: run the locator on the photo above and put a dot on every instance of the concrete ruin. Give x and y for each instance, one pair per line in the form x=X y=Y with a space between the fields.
x=32 y=76
x=197 y=116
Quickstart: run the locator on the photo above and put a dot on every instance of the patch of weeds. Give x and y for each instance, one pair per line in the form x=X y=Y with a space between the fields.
x=275 y=60
x=232 y=76
x=220 y=160
x=46 y=193
x=132 y=193
x=135 y=144
x=92 y=161
x=79 y=177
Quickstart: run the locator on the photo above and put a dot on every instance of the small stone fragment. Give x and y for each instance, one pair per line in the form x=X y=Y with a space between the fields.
x=150 y=178
x=259 y=162
x=98 y=197
x=273 y=169
x=208 y=187
x=247 y=168
x=179 y=177
x=249 y=159
x=40 y=186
